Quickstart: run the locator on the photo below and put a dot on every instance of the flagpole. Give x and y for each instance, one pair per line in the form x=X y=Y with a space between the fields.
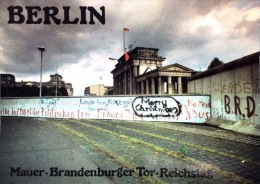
x=124 y=40
x=124 y=55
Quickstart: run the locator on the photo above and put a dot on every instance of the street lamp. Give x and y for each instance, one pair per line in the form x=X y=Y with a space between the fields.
x=112 y=58
x=41 y=49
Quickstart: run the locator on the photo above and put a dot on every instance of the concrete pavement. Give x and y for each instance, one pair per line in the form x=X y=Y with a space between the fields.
x=55 y=150
x=32 y=146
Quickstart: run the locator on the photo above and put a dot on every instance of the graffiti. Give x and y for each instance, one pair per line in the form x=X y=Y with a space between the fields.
x=4 y=112
x=195 y=109
x=197 y=114
x=250 y=106
x=234 y=93
x=87 y=101
x=200 y=103
x=57 y=113
x=156 y=106
x=117 y=102
x=237 y=88
x=50 y=102
x=20 y=112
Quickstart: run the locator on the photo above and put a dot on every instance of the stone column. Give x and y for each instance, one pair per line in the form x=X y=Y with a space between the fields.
x=125 y=81
x=120 y=86
x=159 y=85
x=134 y=81
x=179 y=86
x=130 y=81
x=142 y=87
x=153 y=86
x=169 y=85
x=115 y=85
x=147 y=86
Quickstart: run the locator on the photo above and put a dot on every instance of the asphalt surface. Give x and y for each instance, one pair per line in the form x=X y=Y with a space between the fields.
x=38 y=150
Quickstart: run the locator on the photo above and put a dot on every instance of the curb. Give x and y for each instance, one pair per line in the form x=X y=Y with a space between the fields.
x=236 y=126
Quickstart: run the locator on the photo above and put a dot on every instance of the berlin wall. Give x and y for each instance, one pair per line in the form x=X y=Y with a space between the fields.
x=234 y=90
x=194 y=109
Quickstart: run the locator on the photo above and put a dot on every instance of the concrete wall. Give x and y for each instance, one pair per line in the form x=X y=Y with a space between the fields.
x=194 y=109
x=234 y=93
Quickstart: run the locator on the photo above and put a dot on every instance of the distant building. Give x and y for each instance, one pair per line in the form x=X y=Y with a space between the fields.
x=69 y=89
x=7 y=80
x=27 y=83
x=98 y=90
x=56 y=80
x=143 y=74
x=7 y=85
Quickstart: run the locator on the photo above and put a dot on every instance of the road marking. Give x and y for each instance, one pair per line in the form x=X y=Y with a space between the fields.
x=204 y=165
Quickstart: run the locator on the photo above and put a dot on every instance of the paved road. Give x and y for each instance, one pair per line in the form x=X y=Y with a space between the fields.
x=36 y=150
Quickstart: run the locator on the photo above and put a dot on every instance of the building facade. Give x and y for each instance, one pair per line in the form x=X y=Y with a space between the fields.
x=56 y=79
x=143 y=73
x=7 y=80
x=98 y=90
x=69 y=88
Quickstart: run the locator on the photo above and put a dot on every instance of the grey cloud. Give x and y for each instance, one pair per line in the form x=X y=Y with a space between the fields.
x=251 y=28
x=67 y=44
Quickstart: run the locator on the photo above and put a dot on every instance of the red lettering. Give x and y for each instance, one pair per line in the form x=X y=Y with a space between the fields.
x=207 y=115
x=191 y=103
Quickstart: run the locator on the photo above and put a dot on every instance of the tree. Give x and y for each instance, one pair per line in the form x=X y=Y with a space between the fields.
x=214 y=63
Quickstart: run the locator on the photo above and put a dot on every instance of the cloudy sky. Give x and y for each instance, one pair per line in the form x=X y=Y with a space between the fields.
x=190 y=32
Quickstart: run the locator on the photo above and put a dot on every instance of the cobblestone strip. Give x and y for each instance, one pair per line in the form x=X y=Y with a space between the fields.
x=238 y=167
x=222 y=145
x=174 y=154
x=120 y=160
x=239 y=158
x=224 y=134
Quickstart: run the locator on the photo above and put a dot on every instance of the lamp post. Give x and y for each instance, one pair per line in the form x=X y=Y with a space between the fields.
x=56 y=82
x=114 y=82
x=112 y=58
x=57 y=86
x=41 y=49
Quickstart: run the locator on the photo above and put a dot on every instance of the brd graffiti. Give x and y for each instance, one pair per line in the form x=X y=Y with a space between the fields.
x=250 y=106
